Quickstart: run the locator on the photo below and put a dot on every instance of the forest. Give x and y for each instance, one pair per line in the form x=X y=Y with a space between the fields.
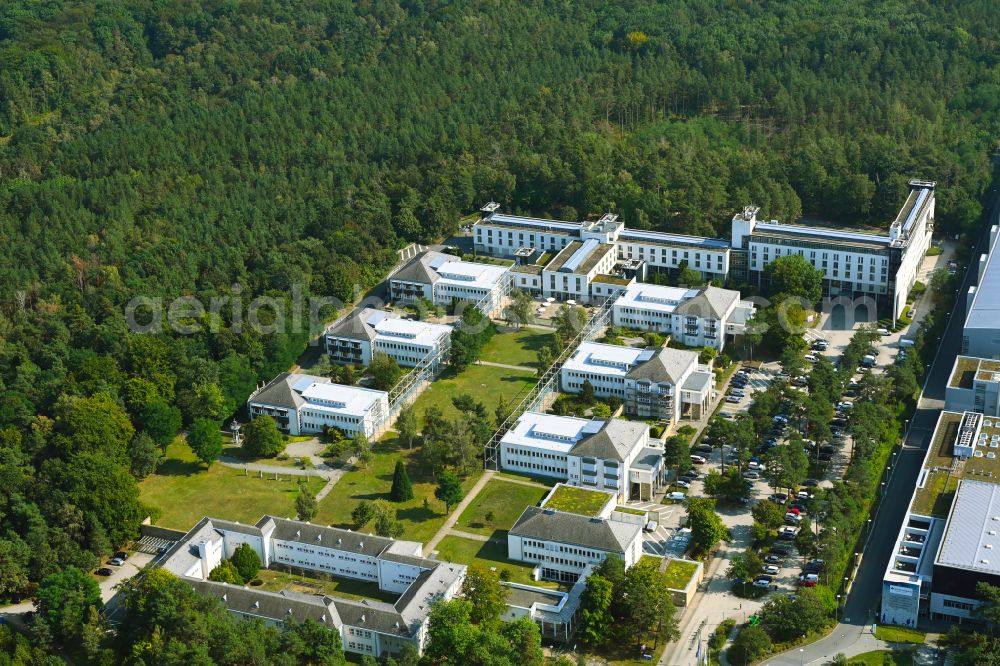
x=225 y=149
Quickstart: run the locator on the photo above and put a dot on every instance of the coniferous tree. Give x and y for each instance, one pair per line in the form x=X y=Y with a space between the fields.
x=402 y=489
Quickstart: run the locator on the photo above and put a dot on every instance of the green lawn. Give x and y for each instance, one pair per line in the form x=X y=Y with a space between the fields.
x=679 y=573
x=184 y=491
x=506 y=500
x=483 y=382
x=899 y=634
x=516 y=348
x=544 y=480
x=419 y=523
x=488 y=554
x=276 y=581
x=882 y=657
x=577 y=500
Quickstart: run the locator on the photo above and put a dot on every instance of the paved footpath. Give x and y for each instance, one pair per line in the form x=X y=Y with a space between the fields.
x=507 y=366
x=453 y=518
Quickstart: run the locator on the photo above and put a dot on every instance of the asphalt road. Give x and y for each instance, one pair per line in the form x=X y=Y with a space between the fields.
x=861 y=606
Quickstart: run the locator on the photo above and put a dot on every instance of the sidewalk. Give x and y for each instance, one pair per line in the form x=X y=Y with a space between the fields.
x=457 y=511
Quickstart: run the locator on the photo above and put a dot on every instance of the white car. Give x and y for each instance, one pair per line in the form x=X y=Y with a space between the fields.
x=845 y=405
x=812 y=358
x=803 y=495
x=751 y=475
x=676 y=496
x=762 y=583
x=884 y=332
x=682 y=483
x=771 y=569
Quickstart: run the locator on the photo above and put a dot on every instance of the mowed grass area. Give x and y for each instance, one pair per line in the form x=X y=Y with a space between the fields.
x=489 y=554
x=184 y=491
x=506 y=500
x=420 y=523
x=516 y=347
x=485 y=383
x=899 y=634
x=276 y=581
x=882 y=657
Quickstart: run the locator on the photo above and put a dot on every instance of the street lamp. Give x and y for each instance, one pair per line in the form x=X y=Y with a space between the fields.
x=802 y=656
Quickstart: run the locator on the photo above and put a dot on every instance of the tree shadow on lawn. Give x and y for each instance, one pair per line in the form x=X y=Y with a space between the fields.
x=417 y=514
x=177 y=467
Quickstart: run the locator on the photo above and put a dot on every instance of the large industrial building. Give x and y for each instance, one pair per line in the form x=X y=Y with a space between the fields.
x=981 y=335
x=882 y=267
x=949 y=540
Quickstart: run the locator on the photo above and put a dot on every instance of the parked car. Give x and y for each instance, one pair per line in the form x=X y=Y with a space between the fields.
x=739 y=393
x=732 y=399
x=884 y=332
x=810 y=576
x=792 y=518
x=752 y=475
x=798 y=506
x=116 y=561
x=781 y=551
x=703 y=448
x=812 y=483
x=772 y=558
x=771 y=569
x=698 y=460
x=650 y=526
x=756 y=466
x=682 y=483
x=845 y=405
x=104 y=571
x=690 y=475
x=761 y=583
x=803 y=495
x=121 y=555
x=780 y=497
x=787 y=533
x=676 y=496
x=812 y=358
x=807 y=583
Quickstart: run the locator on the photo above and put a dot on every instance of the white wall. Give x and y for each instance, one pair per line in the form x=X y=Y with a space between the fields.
x=326 y=559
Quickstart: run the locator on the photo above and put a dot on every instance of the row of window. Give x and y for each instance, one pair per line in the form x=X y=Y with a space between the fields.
x=625 y=249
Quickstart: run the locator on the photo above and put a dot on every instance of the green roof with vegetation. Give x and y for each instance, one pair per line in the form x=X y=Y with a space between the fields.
x=577 y=500
x=679 y=573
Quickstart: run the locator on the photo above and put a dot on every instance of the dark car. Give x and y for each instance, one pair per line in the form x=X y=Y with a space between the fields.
x=825 y=457
x=798 y=505
x=781 y=552
x=690 y=475
x=812 y=483
x=104 y=571
x=773 y=559
x=121 y=555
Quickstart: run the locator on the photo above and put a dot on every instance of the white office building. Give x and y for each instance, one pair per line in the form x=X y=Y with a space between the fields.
x=883 y=267
x=664 y=384
x=564 y=546
x=504 y=235
x=364 y=333
x=368 y=626
x=443 y=279
x=981 y=335
x=613 y=455
x=698 y=317
x=571 y=273
x=304 y=404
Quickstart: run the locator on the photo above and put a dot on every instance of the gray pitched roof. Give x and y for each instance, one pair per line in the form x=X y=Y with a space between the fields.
x=548 y=525
x=281 y=606
x=232 y=526
x=419 y=270
x=613 y=441
x=667 y=366
x=712 y=302
x=279 y=393
x=318 y=535
x=373 y=615
x=354 y=326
